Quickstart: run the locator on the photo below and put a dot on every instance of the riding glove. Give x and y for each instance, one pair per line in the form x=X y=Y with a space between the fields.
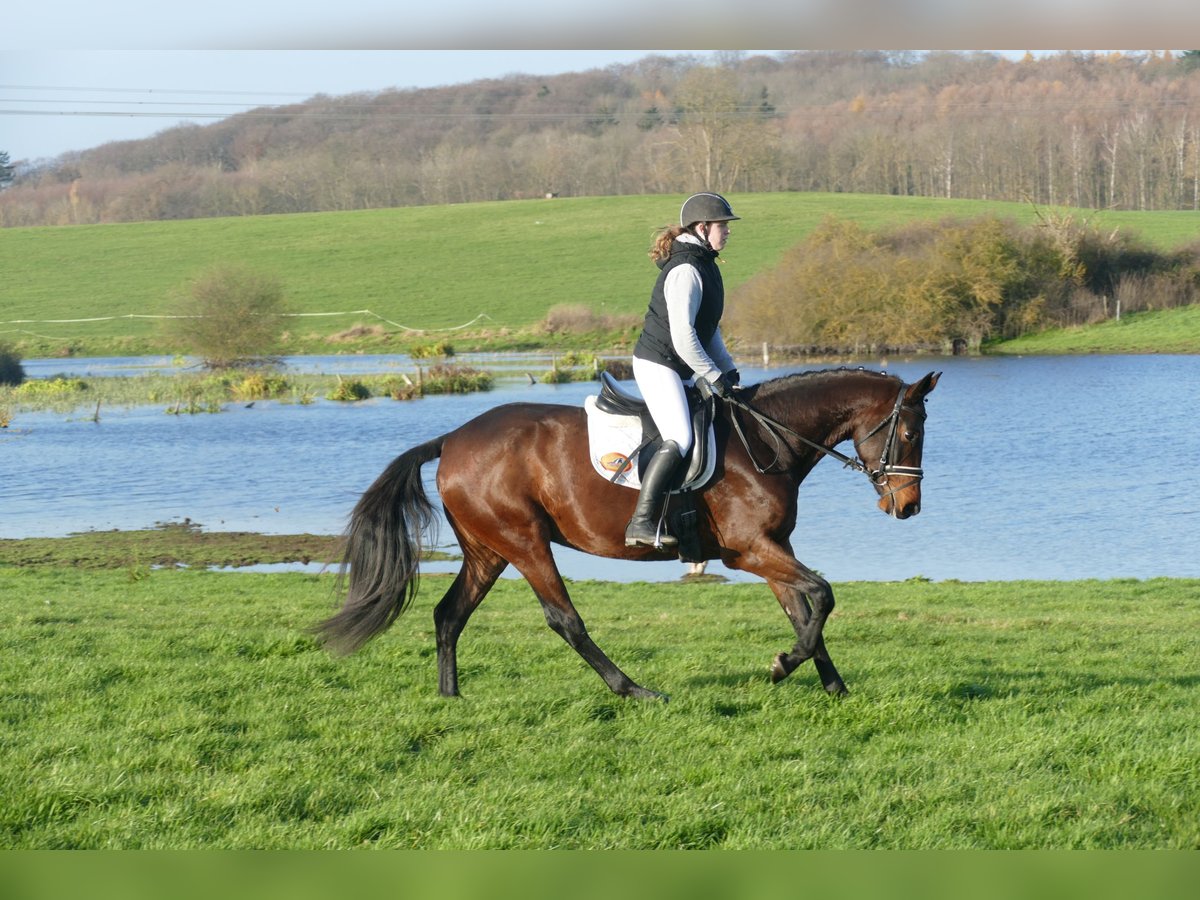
x=723 y=387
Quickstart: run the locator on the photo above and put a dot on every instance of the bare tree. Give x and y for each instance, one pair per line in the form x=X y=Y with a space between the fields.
x=721 y=133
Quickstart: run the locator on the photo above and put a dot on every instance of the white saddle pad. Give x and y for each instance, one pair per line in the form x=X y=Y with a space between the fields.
x=612 y=439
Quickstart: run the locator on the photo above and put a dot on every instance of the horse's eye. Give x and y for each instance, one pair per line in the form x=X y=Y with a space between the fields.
x=912 y=435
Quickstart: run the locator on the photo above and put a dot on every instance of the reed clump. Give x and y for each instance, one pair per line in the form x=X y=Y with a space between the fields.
x=260 y=386
x=191 y=393
x=50 y=389
x=451 y=379
x=580 y=366
x=349 y=390
x=434 y=350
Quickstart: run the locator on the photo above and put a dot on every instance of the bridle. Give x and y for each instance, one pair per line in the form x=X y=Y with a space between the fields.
x=879 y=475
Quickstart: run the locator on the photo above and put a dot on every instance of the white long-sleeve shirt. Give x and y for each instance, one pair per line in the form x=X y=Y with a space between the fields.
x=683 y=290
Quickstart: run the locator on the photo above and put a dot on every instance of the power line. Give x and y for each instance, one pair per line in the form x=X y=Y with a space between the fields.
x=343 y=108
x=175 y=103
x=129 y=90
x=350 y=109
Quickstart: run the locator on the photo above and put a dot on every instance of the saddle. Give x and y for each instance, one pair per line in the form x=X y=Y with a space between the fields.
x=626 y=468
x=622 y=438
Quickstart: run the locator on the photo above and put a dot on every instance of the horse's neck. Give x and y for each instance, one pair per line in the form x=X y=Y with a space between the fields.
x=828 y=408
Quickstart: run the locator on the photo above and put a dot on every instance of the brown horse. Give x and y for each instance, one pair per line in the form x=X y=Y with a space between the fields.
x=517 y=479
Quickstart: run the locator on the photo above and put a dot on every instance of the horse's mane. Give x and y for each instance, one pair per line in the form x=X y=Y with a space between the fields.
x=801 y=393
x=816 y=378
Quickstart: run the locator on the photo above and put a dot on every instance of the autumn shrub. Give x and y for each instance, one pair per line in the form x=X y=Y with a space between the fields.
x=229 y=316
x=933 y=285
x=842 y=287
x=11 y=370
x=1105 y=257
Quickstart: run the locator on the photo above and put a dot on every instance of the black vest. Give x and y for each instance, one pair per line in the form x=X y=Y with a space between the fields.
x=655 y=341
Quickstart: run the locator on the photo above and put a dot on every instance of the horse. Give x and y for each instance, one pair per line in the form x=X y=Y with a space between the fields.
x=517 y=479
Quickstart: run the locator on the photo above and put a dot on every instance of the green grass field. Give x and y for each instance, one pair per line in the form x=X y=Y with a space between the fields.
x=434 y=267
x=183 y=709
x=1165 y=331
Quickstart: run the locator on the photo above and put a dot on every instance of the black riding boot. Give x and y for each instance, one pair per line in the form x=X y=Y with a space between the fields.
x=656 y=484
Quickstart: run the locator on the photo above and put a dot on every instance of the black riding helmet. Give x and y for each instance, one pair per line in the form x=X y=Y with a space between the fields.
x=705 y=207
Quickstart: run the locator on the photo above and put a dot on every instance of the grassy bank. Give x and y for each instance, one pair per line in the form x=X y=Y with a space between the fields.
x=191 y=709
x=171 y=544
x=174 y=544
x=1165 y=331
x=501 y=266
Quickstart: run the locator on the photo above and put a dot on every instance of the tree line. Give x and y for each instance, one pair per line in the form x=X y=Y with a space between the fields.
x=1083 y=129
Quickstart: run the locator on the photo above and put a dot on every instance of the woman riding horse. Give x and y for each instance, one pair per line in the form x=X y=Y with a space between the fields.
x=681 y=340
x=516 y=480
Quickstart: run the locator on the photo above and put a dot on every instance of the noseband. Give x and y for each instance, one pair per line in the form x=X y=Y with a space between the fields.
x=879 y=475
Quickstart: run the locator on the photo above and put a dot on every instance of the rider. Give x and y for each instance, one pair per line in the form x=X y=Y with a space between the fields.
x=681 y=340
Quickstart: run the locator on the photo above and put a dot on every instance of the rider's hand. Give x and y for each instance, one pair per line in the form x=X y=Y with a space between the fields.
x=723 y=387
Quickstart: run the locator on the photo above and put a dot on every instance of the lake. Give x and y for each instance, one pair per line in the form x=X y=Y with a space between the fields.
x=1036 y=468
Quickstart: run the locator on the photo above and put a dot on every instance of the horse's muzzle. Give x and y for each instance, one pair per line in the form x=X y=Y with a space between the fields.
x=899 y=510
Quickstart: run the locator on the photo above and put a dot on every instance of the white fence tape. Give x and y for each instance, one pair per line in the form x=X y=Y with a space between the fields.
x=354 y=312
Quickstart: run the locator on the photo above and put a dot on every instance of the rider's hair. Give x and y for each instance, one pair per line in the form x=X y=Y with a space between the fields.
x=663 y=238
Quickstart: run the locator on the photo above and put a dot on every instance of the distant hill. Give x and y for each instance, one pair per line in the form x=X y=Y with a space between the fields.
x=1087 y=130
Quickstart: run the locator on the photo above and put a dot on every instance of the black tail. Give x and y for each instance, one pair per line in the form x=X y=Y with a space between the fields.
x=383 y=549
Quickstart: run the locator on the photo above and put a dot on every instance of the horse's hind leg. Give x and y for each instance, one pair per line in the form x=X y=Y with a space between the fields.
x=543 y=576
x=481 y=567
x=795 y=604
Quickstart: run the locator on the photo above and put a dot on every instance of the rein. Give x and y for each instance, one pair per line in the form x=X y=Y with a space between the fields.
x=878 y=476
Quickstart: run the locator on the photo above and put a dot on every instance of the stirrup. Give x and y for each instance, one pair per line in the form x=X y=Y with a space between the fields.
x=649 y=536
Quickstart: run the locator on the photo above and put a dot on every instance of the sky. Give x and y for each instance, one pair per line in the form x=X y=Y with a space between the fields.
x=76 y=76
x=55 y=101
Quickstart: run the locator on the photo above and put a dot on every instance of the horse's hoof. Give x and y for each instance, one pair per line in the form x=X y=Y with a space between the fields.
x=779 y=669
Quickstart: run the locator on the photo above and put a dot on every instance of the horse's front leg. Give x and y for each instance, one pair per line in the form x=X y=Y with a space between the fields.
x=795 y=586
x=795 y=604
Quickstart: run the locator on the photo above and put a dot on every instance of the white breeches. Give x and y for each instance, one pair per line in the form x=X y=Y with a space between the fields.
x=662 y=389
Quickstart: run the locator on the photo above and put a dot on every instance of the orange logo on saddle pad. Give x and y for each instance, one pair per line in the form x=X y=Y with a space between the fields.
x=614 y=462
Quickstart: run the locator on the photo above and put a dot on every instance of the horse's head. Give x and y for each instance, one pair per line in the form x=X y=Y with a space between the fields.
x=890 y=441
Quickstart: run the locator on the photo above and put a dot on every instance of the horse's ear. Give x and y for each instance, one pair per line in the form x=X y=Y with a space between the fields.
x=919 y=390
